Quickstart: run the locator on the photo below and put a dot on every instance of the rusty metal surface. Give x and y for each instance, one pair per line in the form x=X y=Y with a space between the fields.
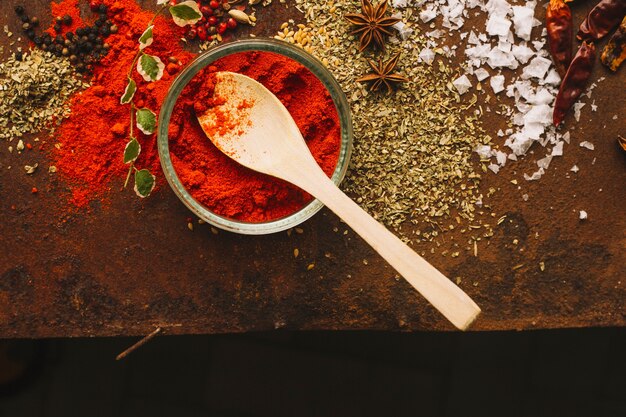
x=105 y=272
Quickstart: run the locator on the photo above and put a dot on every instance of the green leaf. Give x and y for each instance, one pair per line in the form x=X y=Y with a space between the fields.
x=186 y=13
x=146 y=121
x=146 y=38
x=132 y=151
x=129 y=92
x=150 y=67
x=144 y=183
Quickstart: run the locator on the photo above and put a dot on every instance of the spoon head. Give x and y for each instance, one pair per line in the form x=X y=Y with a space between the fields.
x=250 y=125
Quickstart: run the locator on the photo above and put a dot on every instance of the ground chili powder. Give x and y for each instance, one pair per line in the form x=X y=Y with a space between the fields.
x=228 y=188
x=90 y=143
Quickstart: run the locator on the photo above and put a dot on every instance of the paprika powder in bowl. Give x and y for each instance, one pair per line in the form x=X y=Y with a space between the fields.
x=224 y=193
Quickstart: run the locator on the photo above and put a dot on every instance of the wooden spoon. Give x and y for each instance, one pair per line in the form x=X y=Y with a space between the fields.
x=256 y=130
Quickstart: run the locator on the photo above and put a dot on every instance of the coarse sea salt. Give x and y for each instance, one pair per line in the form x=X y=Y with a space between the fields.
x=587 y=145
x=497 y=83
x=462 y=84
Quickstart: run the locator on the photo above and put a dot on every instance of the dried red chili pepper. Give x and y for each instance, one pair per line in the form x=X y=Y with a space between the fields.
x=615 y=51
x=559 y=26
x=575 y=81
x=602 y=19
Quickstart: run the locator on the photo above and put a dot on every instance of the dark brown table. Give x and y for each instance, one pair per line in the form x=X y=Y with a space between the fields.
x=105 y=273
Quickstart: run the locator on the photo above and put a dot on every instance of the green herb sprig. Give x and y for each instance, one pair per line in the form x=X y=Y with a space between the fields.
x=150 y=67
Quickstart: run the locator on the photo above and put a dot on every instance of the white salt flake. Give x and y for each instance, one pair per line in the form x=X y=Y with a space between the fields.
x=403 y=30
x=484 y=151
x=481 y=74
x=523 y=19
x=535 y=176
x=582 y=215
x=522 y=53
x=536 y=68
x=498 y=25
x=575 y=169
x=462 y=84
x=428 y=14
x=587 y=145
x=566 y=137
x=495 y=168
x=498 y=59
x=577 y=108
x=553 y=78
x=541 y=114
x=497 y=83
x=501 y=158
x=427 y=56
x=558 y=149
x=544 y=162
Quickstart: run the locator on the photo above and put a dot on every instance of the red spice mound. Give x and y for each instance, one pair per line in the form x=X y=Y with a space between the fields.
x=93 y=138
x=228 y=188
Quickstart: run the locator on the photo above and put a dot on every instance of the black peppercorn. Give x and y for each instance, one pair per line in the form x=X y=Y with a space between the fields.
x=84 y=38
x=44 y=47
x=24 y=18
x=73 y=59
x=80 y=32
x=47 y=39
x=87 y=47
x=102 y=9
x=67 y=20
x=105 y=31
x=99 y=41
x=91 y=37
x=80 y=67
x=57 y=28
x=98 y=22
x=19 y=10
x=30 y=33
x=34 y=21
x=106 y=46
x=67 y=42
x=59 y=39
x=19 y=56
x=69 y=35
x=65 y=52
x=113 y=29
x=38 y=41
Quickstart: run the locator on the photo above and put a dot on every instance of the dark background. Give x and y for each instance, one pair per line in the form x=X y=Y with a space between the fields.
x=538 y=373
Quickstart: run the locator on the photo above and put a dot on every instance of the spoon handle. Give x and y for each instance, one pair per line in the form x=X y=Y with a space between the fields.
x=444 y=295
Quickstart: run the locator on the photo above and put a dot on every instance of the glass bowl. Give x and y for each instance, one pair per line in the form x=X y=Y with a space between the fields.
x=206 y=59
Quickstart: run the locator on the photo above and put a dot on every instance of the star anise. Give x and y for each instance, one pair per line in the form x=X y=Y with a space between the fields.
x=371 y=23
x=383 y=74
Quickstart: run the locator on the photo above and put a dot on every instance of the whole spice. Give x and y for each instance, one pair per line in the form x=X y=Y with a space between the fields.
x=575 y=81
x=383 y=74
x=614 y=52
x=228 y=188
x=371 y=24
x=602 y=19
x=559 y=27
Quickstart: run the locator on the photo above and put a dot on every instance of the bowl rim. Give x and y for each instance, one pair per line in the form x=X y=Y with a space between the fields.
x=210 y=56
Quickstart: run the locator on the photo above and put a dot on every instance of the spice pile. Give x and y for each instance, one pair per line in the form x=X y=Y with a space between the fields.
x=228 y=188
x=413 y=149
x=34 y=92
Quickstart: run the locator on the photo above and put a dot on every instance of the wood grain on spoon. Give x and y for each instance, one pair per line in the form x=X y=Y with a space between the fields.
x=266 y=139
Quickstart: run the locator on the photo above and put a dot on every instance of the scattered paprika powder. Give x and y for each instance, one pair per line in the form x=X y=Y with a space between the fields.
x=90 y=143
x=228 y=188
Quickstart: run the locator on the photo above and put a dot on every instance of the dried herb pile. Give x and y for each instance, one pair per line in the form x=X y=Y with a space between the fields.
x=34 y=91
x=412 y=159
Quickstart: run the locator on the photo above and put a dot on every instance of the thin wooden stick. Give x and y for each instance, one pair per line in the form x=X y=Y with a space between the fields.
x=138 y=344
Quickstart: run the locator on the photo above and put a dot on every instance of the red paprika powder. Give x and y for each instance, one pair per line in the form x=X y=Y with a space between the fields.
x=90 y=143
x=228 y=188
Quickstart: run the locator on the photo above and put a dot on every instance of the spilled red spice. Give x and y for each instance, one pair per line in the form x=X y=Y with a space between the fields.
x=228 y=188
x=70 y=8
x=92 y=140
